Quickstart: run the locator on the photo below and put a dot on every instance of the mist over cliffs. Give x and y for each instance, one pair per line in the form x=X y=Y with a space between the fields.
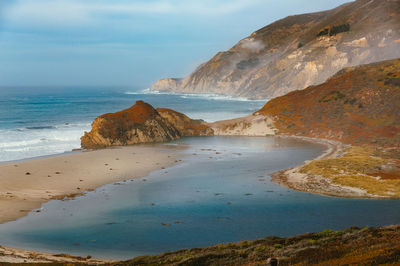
x=298 y=51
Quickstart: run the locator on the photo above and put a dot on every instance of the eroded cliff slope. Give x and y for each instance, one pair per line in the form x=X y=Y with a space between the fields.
x=299 y=51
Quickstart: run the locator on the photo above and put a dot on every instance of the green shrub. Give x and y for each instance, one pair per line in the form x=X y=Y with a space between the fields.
x=339 y=29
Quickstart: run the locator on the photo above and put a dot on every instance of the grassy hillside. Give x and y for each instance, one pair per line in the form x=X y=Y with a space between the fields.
x=358 y=105
x=354 y=246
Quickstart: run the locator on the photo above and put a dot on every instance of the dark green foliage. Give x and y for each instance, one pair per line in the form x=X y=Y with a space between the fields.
x=252 y=62
x=334 y=30
x=339 y=29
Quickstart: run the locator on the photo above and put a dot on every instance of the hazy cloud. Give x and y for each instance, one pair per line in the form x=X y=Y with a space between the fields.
x=74 y=12
x=252 y=45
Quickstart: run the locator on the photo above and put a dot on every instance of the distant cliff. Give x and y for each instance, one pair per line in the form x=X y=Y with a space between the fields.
x=141 y=123
x=298 y=51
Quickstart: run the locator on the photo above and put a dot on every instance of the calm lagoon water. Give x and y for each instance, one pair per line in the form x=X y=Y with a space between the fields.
x=221 y=192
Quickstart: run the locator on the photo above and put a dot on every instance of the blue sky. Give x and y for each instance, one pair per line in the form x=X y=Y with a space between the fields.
x=121 y=42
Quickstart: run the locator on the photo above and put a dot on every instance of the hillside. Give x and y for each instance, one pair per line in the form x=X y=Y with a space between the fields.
x=353 y=246
x=359 y=105
x=299 y=51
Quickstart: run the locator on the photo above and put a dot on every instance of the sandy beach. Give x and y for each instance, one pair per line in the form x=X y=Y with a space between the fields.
x=26 y=185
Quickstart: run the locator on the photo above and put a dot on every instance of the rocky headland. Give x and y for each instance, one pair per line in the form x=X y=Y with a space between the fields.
x=298 y=51
x=141 y=123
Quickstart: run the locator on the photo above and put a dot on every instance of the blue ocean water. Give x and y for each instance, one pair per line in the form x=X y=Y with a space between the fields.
x=221 y=192
x=38 y=121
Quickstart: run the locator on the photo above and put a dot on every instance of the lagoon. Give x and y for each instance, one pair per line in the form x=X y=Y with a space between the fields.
x=220 y=192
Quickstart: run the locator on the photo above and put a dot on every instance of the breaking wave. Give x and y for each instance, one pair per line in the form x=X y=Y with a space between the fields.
x=205 y=96
x=16 y=144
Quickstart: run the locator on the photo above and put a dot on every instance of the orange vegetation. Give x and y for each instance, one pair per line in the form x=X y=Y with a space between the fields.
x=357 y=106
x=187 y=126
x=141 y=123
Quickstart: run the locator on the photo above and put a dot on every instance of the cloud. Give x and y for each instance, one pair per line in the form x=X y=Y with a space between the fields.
x=252 y=45
x=74 y=12
x=46 y=12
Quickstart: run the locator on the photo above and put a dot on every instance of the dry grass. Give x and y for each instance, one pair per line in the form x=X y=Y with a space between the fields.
x=386 y=188
x=353 y=246
x=355 y=169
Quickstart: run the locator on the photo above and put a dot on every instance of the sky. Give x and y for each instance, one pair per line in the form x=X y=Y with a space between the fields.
x=126 y=42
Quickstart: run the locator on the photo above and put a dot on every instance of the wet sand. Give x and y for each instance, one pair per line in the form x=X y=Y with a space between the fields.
x=26 y=185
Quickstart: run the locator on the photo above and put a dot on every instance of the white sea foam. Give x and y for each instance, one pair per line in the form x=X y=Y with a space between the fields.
x=16 y=144
x=205 y=96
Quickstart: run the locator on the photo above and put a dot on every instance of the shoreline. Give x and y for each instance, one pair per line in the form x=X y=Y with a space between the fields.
x=74 y=151
x=26 y=185
x=289 y=178
x=293 y=179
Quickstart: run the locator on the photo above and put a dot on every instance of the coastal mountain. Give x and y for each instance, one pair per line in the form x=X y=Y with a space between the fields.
x=298 y=51
x=141 y=123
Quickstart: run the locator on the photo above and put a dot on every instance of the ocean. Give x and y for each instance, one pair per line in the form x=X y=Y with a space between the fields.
x=40 y=121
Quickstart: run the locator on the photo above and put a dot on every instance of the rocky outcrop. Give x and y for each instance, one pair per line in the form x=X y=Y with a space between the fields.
x=186 y=126
x=141 y=123
x=358 y=105
x=299 y=51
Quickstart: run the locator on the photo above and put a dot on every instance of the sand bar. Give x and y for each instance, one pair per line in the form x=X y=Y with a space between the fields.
x=26 y=185
x=294 y=179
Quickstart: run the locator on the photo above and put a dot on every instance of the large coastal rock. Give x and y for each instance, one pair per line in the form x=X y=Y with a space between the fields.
x=299 y=51
x=141 y=123
x=186 y=126
x=358 y=105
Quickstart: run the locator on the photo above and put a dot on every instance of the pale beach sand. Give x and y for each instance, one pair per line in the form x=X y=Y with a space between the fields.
x=25 y=185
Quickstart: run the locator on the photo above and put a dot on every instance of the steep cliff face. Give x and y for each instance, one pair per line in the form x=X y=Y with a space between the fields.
x=141 y=123
x=359 y=105
x=299 y=51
